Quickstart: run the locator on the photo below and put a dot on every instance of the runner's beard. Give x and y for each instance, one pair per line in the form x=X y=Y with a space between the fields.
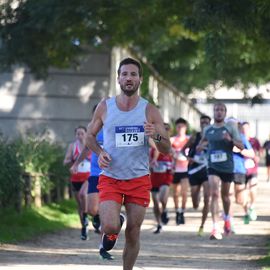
x=129 y=93
x=219 y=120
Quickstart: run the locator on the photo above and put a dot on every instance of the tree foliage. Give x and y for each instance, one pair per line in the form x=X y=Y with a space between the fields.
x=191 y=43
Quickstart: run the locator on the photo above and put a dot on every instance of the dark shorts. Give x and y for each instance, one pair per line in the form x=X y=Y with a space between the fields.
x=76 y=186
x=267 y=161
x=156 y=189
x=198 y=178
x=239 y=179
x=92 y=184
x=225 y=177
x=250 y=177
x=178 y=176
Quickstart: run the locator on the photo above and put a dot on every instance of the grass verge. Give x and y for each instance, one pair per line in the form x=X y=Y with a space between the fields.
x=265 y=262
x=36 y=221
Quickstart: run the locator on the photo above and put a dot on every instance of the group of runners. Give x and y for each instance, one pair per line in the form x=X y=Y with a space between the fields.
x=130 y=152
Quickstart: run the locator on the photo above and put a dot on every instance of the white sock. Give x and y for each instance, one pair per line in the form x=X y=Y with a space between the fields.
x=215 y=226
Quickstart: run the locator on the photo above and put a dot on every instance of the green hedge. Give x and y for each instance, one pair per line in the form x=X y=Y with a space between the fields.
x=31 y=171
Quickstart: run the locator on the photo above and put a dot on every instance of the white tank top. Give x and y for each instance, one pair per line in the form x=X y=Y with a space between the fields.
x=125 y=141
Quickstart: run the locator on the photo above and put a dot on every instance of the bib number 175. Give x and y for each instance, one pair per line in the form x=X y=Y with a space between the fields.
x=129 y=136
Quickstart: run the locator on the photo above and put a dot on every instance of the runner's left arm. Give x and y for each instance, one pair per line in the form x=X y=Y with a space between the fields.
x=235 y=138
x=154 y=128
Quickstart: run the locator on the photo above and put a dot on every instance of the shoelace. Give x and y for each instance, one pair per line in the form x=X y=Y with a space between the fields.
x=112 y=237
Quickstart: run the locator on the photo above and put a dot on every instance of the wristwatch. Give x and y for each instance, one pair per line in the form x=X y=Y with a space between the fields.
x=158 y=138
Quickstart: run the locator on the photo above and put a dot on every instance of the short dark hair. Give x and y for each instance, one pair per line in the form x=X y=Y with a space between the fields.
x=245 y=123
x=128 y=61
x=204 y=116
x=181 y=121
x=219 y=103
x=80 y=127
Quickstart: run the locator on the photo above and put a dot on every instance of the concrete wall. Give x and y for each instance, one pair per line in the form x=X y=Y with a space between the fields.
x=57 y=104
x=66 y=98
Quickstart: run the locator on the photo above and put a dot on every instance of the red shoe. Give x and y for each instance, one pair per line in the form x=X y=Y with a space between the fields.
x=227 y=227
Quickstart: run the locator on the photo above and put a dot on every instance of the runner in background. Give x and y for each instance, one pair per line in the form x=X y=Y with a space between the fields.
x=251 y=165
x=180 y=167
x=219 y=139
x=79 y=180
x=239 y=157
x=161 y=178
x=197 y=171
x=266 y=146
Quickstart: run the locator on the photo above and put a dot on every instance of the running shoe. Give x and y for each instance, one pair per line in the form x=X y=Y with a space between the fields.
x=252 y=214
x=227 y=227
x=200 y=232
x=105 y=255
x=158 y=230
x=246 y=219
x=215 y=235
x=84 y=233
x=177 y=218
x=109 y=240
x=164 y=217
x=182 y=218
x=96 y=223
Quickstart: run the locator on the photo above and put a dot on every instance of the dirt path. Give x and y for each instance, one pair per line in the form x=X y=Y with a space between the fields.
x=177 y=247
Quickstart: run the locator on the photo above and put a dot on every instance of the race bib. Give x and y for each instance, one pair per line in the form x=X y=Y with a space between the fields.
x=84 y=166
x=200 y=159
x=160 y=168
x=218 y=156
x=129 y=136
x=268 y=151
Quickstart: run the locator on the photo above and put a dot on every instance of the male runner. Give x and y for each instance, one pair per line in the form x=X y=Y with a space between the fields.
x=180 y=167
x=219 y=139
x=197 y=171
x=128 y=121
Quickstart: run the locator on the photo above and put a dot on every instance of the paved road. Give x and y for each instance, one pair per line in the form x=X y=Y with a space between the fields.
x=177 y=247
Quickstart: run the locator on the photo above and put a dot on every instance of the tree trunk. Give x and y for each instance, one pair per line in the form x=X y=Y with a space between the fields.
x=27 y=190
x=37 y=192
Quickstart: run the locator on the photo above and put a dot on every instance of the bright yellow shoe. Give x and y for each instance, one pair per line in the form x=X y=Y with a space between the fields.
x=200 y=232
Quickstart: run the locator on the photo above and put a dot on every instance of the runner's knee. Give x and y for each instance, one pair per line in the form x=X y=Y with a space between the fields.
x=110 y=228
